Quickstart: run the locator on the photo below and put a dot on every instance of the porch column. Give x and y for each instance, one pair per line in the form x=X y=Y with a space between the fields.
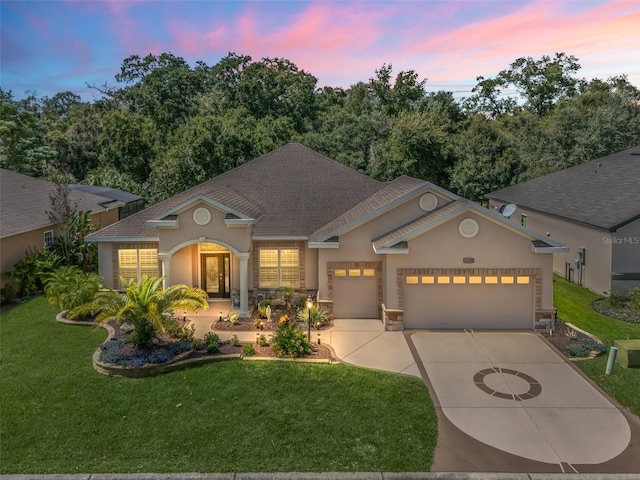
x=244 y=283
x=165 y=259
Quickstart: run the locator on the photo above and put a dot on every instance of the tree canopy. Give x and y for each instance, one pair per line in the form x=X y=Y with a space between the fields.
x=168 y=125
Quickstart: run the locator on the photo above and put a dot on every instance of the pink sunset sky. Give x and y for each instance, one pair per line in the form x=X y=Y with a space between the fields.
x=58 y=45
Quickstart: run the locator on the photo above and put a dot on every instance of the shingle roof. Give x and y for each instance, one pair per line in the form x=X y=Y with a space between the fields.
x=24 y=202
x=108 y=192
x=379 y=201
x=604 y=193
x=296 y=189
x=399 y=236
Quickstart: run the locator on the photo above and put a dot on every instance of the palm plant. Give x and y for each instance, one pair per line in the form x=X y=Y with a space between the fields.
x=69 y=287
x=143 y=305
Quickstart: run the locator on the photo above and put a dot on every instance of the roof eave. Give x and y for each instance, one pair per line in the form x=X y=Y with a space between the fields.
x=89 y=239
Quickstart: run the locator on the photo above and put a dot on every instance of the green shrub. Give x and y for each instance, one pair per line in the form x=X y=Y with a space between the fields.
x=234 y=319
x=31 y=272
x=615 y=300
x=634 y=299
x=70 y=287
x=7 y=294
x=248 y=350
x=585 y=346
x=287 y=295
x=262 y=340
x=234 y=340
x=290 y=341
x=174 y=328
x=212 y=341
x=319 y=316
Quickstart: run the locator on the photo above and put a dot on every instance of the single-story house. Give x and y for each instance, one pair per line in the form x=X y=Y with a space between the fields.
x=593 y=209
x=298 y=219
x=25 y=201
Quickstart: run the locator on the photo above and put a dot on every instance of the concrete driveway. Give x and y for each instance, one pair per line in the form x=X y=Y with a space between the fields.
x=513 y=392
x=509 y=401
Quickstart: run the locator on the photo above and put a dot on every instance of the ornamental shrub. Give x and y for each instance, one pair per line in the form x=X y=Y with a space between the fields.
x=290 y=341
x=248 y=350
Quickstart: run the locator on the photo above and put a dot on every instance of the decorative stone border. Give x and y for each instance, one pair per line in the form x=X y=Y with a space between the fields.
x=182 y=360
x=592 y=354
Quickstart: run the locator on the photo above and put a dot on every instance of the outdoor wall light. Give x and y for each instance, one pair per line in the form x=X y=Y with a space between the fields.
x=468 y=260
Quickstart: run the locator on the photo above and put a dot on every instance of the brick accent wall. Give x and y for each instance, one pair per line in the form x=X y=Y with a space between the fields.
x=332 y=266
x=114 y=256
x=535 y=275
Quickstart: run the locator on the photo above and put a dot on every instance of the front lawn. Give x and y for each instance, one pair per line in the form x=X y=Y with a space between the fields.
x=60 y=416
x=574 y=306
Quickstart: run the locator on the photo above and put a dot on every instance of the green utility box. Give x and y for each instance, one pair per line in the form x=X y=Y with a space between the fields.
x=628 y=353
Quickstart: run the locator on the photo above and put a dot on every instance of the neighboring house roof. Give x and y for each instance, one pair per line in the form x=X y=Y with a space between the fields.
x=107 y=192
x=292 y=192
x=25 y=201
x=603 y=193
x=397 y=238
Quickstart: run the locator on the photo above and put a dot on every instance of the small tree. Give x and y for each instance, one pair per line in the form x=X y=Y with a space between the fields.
x=144 y=306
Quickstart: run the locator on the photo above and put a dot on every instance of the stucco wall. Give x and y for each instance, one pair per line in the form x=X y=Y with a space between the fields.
x=596 y=274
x=105 y=264
x=494 y=247
x=215 y=231
x=356 y=245
x=625 y=257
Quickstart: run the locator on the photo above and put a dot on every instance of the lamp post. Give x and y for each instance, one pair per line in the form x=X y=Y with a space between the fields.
x=309 y=307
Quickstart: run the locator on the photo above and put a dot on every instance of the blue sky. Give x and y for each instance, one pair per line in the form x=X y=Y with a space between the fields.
x=52 y=46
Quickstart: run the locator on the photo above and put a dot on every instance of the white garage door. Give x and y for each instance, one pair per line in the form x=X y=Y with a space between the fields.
x=468 y=301
x=355 y=293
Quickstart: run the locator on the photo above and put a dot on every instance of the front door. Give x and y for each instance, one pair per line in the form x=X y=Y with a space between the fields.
x=216 y=279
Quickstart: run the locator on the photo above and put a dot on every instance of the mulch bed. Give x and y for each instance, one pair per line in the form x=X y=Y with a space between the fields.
x=247 y=324
x=561 y=341
x=624 y=312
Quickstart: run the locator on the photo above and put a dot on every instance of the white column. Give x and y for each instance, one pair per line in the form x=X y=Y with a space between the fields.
x=244 y=284
x=165 y=258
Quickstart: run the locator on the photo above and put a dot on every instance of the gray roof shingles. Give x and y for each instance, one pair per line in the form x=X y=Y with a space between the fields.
x=25 y=201
x=605 y=196
x=294 y=189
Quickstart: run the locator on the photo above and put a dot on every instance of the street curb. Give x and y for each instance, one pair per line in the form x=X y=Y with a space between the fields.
x=329 y=476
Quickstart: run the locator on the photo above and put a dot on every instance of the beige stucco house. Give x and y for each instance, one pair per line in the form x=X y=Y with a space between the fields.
x=593 y=209
x=295 y=218
x=25 y=201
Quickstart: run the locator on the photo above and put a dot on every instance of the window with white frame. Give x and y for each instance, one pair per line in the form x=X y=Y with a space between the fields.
x=279 y=267
x=134 y=263
x=48 y=239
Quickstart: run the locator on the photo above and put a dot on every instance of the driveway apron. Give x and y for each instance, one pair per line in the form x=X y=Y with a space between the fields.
x=513 y=392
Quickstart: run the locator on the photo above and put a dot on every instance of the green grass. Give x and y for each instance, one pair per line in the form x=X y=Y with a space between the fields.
x=60 y=416
x=574 y=306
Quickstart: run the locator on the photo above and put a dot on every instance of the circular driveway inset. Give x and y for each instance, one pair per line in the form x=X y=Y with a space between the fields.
x=534 y=387
x=511 y=391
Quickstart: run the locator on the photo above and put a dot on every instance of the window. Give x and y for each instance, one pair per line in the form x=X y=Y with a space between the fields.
x=523 y=220
x=133 y=263
x=48 y=239
x=354 y=272
x=279 y=267
x=412 y=280
x=340 y=272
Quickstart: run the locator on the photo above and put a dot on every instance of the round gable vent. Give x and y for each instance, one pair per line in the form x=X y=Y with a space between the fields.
x=428 y=202
x=201 y=216
x=468 y=228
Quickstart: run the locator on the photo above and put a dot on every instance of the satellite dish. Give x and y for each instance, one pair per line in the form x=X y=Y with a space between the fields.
x=508 y=210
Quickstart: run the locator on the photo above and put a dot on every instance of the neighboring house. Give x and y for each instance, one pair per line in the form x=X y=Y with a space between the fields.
x=593 y=209
x=25 y=201
x=295 y=218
